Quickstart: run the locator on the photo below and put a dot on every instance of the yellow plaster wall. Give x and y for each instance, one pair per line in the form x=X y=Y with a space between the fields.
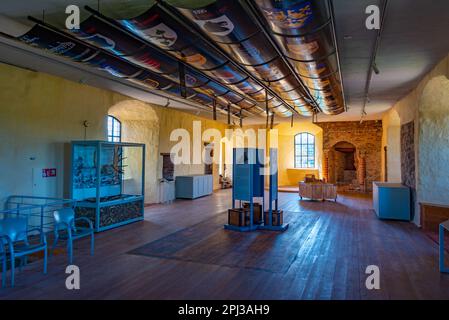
x=40 y=114
x=426 y=105
x=288 y=175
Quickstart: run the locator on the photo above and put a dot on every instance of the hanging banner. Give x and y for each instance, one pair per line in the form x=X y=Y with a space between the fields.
x=55 y=43
x=58 y=44
x=156 y=27
x=153 y=81
x=109 y=38
x=303 y=31
x=245 y=104
x=213 y=89
x=114 y=66
x=287 y=14
x=43 y=38
x=227 y=23
x=202 y=99
x=194 y=79
x=312 y=46
x=251 y=51
x=232 y=97
x=227 y=74
x=223 y=20
x=249 y=87
x=105 y=36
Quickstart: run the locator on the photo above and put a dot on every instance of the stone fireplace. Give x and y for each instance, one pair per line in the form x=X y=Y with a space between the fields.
x=342 y=168
x=352 y=154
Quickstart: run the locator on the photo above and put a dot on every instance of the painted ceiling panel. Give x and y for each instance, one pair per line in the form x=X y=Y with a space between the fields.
x=413 y=41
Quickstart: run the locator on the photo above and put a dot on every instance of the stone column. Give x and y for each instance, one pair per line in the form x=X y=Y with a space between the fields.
x=361 y=171
x=331 y=167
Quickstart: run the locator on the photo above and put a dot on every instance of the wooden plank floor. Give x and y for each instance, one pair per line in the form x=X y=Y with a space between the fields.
x=323 y=255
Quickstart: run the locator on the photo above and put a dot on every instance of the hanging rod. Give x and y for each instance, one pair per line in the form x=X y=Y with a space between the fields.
x=173 y=13
x=373 y=57
x=337 y=51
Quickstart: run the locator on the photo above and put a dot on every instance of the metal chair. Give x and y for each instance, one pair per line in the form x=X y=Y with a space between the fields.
x=65 y=221
x=14 y=235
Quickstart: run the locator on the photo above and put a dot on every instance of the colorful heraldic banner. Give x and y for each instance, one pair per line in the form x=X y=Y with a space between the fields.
x=109 y=38
x=304 y=33
x=54 y=43
x=227 y=23
x=155 y=26
x=224 y=21
x=114 y=66
x=287 y=14
x=151 y=27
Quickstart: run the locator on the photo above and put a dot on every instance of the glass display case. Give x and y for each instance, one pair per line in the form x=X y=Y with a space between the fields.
x=108 y=182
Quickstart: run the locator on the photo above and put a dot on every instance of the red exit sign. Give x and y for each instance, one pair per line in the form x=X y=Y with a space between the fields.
x=47 y=173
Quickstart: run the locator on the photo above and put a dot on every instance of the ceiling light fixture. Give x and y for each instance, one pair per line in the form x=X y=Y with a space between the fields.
x=373 y=66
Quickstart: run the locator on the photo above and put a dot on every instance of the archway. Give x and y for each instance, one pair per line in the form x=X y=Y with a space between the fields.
x=343 y=163
x=140 y=124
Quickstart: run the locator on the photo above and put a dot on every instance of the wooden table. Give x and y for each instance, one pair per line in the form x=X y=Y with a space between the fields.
x=318 y=191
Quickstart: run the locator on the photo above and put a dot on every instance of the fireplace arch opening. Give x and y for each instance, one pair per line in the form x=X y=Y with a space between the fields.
x=343 y=165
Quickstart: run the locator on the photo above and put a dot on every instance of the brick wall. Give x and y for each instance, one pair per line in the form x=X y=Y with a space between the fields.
x=365 y=136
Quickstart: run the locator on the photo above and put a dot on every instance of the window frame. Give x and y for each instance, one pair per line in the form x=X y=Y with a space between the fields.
x=111 y=134
x=300 y=156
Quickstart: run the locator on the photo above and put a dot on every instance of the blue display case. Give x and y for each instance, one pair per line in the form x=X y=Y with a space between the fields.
x=108 y=182
x=248 y=177
x=194 y=186
x=391 y=201
x=247 y=182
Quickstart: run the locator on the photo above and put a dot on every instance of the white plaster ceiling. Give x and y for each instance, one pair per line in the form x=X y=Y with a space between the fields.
x=415 y=39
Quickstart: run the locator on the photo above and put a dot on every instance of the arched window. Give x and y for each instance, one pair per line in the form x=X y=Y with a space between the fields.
x=114 y=129
x=304 y=150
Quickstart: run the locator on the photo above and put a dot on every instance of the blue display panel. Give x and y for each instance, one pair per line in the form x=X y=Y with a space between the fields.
x=274 y=174
x=242 y=182
x=248 y=177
